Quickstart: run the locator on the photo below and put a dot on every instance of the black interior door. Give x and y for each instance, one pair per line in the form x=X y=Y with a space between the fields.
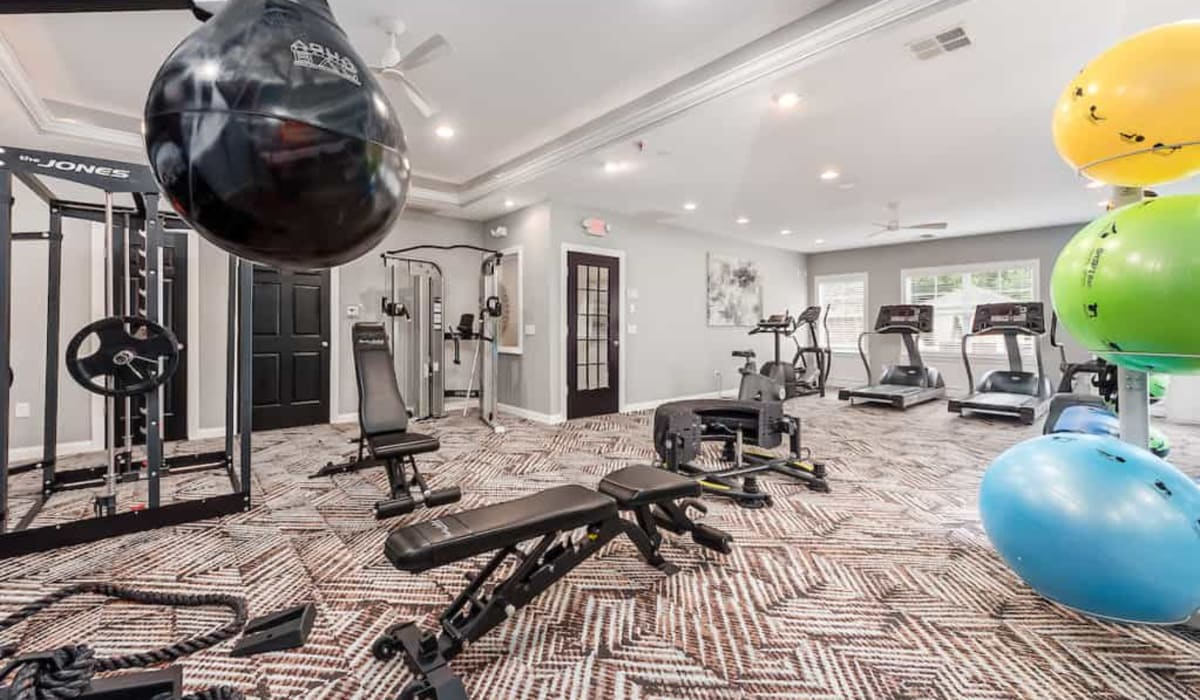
x=593 y=335
x=174 y=316
x=291 y=348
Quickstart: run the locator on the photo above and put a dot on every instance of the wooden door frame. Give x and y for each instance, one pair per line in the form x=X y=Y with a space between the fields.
x=623 y=366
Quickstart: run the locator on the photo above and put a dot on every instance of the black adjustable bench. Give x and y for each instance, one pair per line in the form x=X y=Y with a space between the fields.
x=569 y=524
x=383 y=421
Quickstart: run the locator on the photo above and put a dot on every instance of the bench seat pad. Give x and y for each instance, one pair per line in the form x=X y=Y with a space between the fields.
x=401 y=444
x=640 y=485
x=430 y=544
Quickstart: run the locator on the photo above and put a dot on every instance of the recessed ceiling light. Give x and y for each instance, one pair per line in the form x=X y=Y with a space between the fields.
x=743 y=220
x=690 y=206
x=1095 y=185
x=445 y=132
x=786 y=232
x=787 y=100
x=830 y=175
x=615 y=166
x=509 y=204
x=819 y=241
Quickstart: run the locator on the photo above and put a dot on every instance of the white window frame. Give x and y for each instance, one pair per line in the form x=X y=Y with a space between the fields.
x=966 y=269
x=867 y=323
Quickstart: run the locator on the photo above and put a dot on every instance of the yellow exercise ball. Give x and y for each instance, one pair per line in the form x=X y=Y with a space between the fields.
x=1125 y=119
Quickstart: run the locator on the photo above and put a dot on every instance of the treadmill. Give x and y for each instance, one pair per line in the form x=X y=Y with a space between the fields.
x=900 y=386
x=1011 y=392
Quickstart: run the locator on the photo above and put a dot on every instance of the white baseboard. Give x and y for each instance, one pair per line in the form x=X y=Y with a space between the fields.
x=25 y=454
x=346 y=418
x=544 y=418
x=208 y=433
x=648 y=405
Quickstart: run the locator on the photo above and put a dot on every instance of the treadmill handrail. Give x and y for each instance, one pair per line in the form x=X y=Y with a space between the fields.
x=862 y=353
x=1037 y=353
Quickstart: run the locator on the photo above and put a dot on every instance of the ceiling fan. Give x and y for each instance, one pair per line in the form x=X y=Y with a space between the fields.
x=893 y=223
x=396 y=65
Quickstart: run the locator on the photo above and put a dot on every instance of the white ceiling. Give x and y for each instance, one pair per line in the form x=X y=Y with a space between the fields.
x=522 y=72
x=963 y=138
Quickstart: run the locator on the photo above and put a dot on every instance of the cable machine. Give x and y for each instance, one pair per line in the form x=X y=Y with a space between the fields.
x=134 y=355
x=416 y=306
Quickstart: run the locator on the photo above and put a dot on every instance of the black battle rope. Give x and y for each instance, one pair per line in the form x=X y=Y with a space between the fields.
x=67 y=671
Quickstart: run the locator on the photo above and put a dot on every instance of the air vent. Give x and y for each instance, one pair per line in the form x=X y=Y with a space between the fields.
x=940 y=43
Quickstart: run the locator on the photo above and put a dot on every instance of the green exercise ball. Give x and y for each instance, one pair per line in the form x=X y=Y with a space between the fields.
x=1158 y=384
x=1128 y=282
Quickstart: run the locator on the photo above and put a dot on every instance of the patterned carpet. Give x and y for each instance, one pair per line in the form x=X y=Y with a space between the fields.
x=886 y=588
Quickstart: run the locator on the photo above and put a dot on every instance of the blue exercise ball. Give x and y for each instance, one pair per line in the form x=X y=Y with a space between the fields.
x=1097 y=525
x=1098 y=420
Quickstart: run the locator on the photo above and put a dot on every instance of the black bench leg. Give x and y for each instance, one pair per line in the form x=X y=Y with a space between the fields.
x=647 y=539
x=408 y=494
x=426 y=658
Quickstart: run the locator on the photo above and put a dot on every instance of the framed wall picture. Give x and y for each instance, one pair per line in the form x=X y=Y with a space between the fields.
x=512 y=299
x=734 y=291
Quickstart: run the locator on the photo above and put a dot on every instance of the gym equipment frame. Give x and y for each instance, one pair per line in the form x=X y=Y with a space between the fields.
x=143 y=219
x=429 y=330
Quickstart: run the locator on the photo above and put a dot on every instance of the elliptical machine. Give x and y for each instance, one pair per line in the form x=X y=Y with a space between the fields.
x=779 y=380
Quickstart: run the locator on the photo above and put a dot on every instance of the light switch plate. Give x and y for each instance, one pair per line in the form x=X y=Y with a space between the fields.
x=632 y=308
x=632 y=293
x=530 y=329
x=21 y=410
x=632 y=329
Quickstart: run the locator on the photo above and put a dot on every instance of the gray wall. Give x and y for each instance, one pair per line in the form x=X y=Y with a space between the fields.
x=674 y=352
x=29 y=323
x=884 y=264
x=525 y=380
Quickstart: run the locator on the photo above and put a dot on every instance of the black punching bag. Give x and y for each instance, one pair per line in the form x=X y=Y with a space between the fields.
x=272 y=138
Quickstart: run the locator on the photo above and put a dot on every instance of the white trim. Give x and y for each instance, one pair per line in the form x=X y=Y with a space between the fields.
x=544 y=418
x=519 y=252
x=623 y=368
x=207 y=433
x=843 y=277
x=647 y=405
x=335 y=343
x=30 y=452
x=193 y=334
x=345 y=418
x=785 y=49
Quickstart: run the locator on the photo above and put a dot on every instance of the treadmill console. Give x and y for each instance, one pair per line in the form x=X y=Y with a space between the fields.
x=906 y=318
x=997 y=318
x=775 y=322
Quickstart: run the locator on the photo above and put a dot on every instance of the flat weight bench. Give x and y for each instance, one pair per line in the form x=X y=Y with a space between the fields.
x=383 y=422
x=655 y=497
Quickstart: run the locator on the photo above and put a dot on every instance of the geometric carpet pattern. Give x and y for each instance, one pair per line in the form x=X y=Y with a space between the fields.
x=885 y=588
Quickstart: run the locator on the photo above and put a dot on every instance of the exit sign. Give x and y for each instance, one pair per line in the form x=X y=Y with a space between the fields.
x=594 y=226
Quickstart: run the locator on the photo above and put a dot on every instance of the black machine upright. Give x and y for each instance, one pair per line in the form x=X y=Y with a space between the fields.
x=903 y=385
x=805 y=375
x=1013 y=391
x=126 y=357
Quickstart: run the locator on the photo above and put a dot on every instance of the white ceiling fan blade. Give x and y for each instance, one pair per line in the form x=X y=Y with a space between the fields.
x=431 y=49
x=935 y=226
x=881 y=231
x=424 y=105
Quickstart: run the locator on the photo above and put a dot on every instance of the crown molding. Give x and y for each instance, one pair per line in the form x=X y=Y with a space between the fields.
x=786 y=48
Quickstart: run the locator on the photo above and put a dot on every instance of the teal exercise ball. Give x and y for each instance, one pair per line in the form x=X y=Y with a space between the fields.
x=1097 y=525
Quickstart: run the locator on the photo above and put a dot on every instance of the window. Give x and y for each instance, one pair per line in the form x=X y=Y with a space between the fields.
x=846 y=298
x=956 y=291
